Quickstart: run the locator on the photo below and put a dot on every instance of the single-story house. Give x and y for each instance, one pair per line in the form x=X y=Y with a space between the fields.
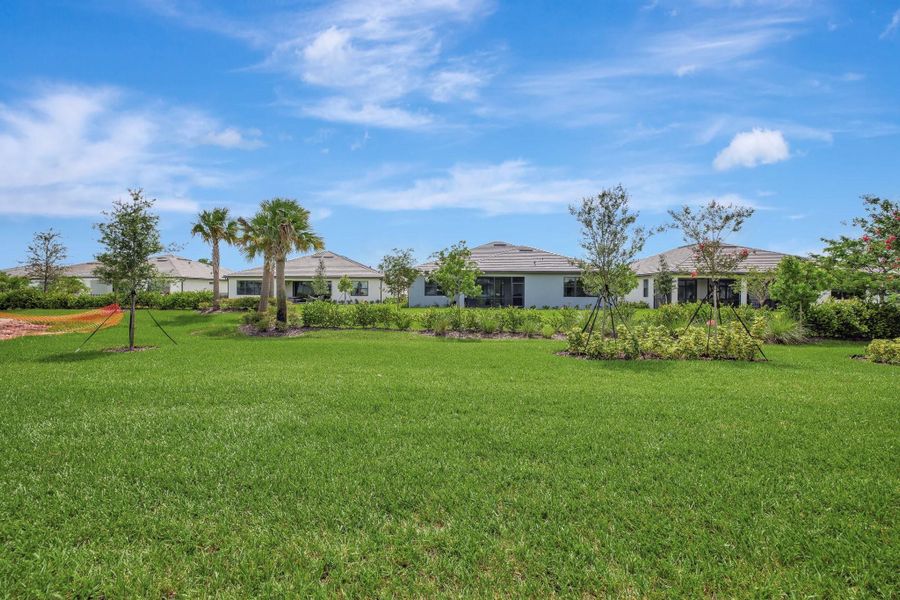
x=181 y=275
x=299 y=273
x=690 y=283
x=512 y=276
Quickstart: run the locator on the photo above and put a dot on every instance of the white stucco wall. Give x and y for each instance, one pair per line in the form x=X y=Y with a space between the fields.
x=544 y=289
x=637 y=294
x=417 y=295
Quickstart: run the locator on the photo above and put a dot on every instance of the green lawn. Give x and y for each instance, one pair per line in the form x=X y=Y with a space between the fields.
x=388 y=463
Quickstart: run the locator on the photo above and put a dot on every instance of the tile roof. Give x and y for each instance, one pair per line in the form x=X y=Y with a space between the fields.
x=185 y=268
x=85 y=269
x=336 y=266
x=169 y=265
x=503 y=257
x=681 y=260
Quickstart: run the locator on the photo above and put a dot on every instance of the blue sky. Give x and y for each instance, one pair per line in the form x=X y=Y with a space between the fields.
x=417 y=124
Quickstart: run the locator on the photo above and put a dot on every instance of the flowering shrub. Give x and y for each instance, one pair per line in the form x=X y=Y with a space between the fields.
x=884 y=351
x=727 y=342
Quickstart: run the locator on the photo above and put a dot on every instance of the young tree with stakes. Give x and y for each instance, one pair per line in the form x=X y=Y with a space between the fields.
x=130 y=236
x=45 y=256
x=611 y=241
x=399 y=272
x=456 y=273
x=706 y=230
x=215 y=226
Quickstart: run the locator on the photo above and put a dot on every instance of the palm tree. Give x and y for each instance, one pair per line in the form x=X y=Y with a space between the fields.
x=294 y=233
x=214 y=226
x=257 y=240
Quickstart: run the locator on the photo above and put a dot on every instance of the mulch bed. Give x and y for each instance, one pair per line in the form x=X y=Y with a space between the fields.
x=254 y=332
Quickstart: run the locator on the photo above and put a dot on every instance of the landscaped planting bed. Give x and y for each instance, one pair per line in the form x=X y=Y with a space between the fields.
x=381 y=463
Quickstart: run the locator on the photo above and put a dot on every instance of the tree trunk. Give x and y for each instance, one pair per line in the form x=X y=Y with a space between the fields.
x=271 y=286
x=264 y=289
x=280 y=294
x=131 y=321
x=215 y=268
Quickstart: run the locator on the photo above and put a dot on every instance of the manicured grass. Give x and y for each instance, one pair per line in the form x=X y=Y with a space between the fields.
x=387 y=463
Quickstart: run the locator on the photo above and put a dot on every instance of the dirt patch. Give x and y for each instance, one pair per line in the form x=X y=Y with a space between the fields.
x=252 y=331
x=12 y=328
x=127 y=349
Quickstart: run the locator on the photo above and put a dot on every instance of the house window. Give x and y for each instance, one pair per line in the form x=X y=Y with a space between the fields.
x=573 y=288
x=303 y=290
x=687 y=290
x=432 y=289
x=646 y=288
x=249 y=288
x=360 y=288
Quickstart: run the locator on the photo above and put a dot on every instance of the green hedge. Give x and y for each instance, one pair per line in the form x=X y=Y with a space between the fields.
x=855 y=319
x=884 y=351
x=34 y=298
x=730 y=342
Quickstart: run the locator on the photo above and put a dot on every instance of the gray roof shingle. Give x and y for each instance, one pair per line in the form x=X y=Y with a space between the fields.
x=336 y=266
x=169 y=265
x=681 y=260
x=503 y=257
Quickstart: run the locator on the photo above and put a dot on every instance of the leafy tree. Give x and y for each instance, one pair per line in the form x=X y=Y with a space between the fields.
x=399 y=272
x=45 y=255
x=456 y=273
x=9 y=283
x=611 y=241
x=257 y=240
x=344 y=286
x=319 y=283
x=758 y=282
x=797 y=285
x=869 y=263
x=214 y=226
x=664 y=282
x=706 y=229
x=69 y=285
x=130 y=236
x=289 y=228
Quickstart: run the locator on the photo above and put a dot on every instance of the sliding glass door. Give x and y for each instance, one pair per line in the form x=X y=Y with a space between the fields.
x=499 y=291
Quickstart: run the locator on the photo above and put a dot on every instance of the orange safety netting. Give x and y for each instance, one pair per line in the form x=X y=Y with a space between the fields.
x=16 y=325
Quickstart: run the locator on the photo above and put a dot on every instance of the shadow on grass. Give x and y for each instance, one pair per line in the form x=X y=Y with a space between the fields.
x=74 y=357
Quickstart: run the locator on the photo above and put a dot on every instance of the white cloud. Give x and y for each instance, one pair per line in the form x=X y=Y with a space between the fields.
x=370 y=57
x=892 y=26
x=752 y=148
x=365 y=113
x=450 y=85
x=71 y=150
x=512 y=186
x=230 y=137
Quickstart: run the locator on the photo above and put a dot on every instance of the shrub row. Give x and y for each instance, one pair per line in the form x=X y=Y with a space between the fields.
x=884 y=351
x=727 y=342
x=855 y=319
x=33 y=298
x=780 y=327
